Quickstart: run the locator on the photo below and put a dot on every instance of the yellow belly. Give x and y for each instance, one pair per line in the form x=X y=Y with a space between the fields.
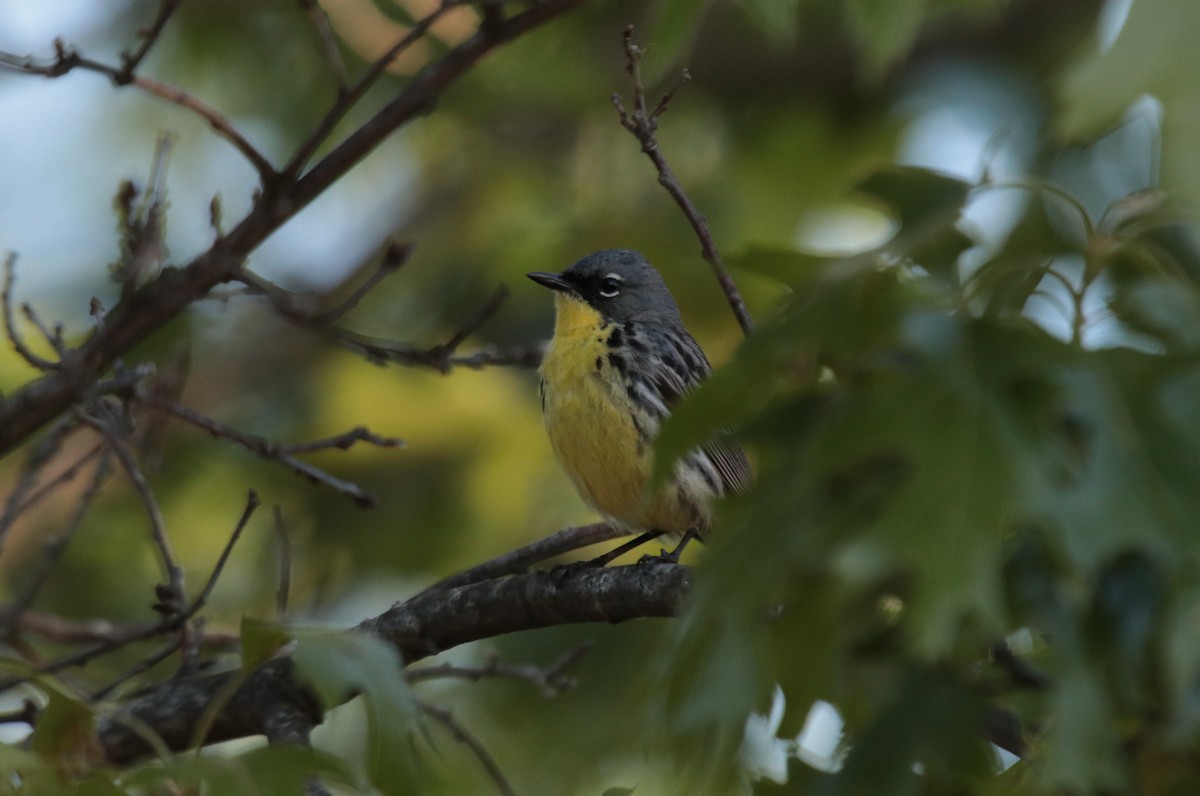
x=589 y=420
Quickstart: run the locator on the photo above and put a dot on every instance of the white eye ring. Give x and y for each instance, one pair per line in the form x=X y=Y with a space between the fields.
x=610 y=285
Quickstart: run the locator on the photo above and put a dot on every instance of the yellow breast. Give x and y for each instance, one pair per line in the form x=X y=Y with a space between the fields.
x=589 y=419
x=588 y=415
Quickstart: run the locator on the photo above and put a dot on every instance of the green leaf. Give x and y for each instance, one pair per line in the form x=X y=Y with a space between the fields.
x=261 y=640
x=933 y=721
x=339 y=665
x=927 y=204
x=66 y=728
x=1154 y=53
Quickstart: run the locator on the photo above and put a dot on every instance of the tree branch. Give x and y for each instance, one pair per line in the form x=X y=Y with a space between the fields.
x=425 y=625
x=151 y=306
x=643 y=125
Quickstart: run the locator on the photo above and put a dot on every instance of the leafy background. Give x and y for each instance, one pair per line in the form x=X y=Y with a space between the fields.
x=971 y=399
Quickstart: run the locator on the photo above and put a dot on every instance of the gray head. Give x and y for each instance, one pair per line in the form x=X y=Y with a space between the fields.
x=617 y=283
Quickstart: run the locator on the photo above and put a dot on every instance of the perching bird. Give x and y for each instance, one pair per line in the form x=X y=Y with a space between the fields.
x=619 y=361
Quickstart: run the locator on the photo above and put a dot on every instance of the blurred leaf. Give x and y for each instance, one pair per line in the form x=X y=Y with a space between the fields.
x=1125 y=631
x=100 y=785
x=261 y=640
x=886 y=28
x=927 y=204
x=341 y=664
x=934 y=723
x=671 y=35
x=288 y=769
x=65 y=732
x=791 y=267
x=1081 y=745
x=1153 y=54
x=775 y=18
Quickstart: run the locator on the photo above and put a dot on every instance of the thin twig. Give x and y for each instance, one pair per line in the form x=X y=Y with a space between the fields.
x=549 y=680
x=348 y=99
x=113 y=638
x=281 y=452
x=472 y=325
x=144 y=665
x=460 y=734
x=172 y=599
x=54 y=338
x=329 y=45
x=440 y=357
x=643 y=126
x=10 y=326
x=130 y=62
x=285 y=564
x=67 y=60
x=252 y=504
x=395 y=256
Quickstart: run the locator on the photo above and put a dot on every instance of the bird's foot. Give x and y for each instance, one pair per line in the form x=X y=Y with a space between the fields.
x=663 y=557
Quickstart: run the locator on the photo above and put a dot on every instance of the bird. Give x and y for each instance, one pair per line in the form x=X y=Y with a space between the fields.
x=619 y=362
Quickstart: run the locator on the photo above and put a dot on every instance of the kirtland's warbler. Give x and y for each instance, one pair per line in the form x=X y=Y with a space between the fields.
x=619 y=361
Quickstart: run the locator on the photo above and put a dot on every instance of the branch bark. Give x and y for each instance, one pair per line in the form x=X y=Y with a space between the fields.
x=431 y=622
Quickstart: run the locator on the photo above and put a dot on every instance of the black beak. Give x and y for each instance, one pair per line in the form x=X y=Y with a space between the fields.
x=552 y=281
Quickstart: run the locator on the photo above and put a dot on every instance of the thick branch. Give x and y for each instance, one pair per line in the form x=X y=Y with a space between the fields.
x=429 y=623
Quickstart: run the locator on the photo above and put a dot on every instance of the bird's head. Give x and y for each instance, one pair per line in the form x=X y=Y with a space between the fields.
x=617 y=283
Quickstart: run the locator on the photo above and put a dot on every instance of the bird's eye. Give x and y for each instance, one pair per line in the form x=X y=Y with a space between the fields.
x=610 y=286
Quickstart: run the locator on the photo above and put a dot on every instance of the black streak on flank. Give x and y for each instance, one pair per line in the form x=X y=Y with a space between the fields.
x=599 y=363
x=614 y=339
x=618 y=363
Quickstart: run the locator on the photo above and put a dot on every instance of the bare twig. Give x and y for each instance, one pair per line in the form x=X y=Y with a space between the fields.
x=341 y=441
x=110 y=637
x=476 y=747
x=172 y=599
x=282 y=452
x=441 y=357
x=54 y=338
x=549 y=680
x=252 y=504
x=643 y=125
x=285 y=564
x=349 y=98
x=446 y=349
x=144 y=665
x=329 y=45
x=519 y=560
x=10 y=326
x=131 y=61
x=395 y=256
x=67 y=60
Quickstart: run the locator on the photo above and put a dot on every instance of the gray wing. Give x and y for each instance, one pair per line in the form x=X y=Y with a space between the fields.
x=680 y=367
